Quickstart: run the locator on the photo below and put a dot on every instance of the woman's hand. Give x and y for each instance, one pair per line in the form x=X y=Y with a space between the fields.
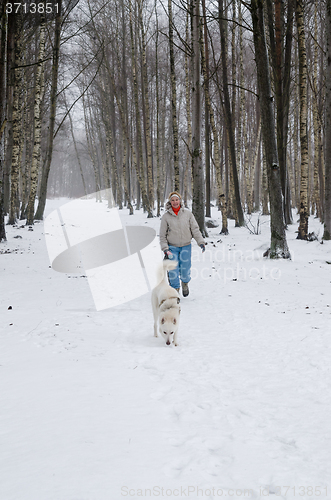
x=168 y=254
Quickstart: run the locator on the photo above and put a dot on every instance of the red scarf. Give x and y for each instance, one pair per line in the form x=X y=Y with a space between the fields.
x=176 y=210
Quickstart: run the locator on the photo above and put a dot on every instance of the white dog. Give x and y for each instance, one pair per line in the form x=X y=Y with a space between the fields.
x=165 y=303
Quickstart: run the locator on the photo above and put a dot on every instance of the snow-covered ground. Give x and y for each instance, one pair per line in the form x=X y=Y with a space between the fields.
x=93 y=407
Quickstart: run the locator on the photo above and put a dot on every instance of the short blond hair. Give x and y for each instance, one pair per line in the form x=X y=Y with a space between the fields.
x=174 y=193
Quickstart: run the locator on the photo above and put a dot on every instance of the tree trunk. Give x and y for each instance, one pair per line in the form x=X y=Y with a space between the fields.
x=27 y=143
x=316 y=201
x=228 y=116
x=257 y=178
x=286 y=104
x=147 y=120
x=250 y=179
x=197 y=169
x=265 y=197
x=205 y=63
x=158 y=132
x=77 y=153
x=39 y=91
x=8 y=139
x=173 y=96
x=16 y=129
x=281 y=71
x=53 y=98
x=3 y=40
x=139 y=161
x=188 y=114
x=220 y=191
x=327 y=216
x=304 y=210
x=278 y=247
x=125 y=159
x=242 y=94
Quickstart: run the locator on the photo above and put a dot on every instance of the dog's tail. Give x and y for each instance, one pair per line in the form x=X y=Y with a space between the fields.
x=167 y=265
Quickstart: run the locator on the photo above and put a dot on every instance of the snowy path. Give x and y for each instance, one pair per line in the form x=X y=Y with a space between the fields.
x=95 y=408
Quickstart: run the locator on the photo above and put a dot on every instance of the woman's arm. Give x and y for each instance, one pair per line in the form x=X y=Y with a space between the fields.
x=163 y=234
x=196 y=231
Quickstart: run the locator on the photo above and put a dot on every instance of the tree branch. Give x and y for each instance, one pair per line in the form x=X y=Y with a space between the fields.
x=97 y=71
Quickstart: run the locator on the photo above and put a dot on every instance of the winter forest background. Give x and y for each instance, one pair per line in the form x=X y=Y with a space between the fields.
x=228 y=102
x=225 y=101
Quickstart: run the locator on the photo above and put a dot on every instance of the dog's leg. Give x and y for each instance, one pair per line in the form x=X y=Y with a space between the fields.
x=154 y=306
x=175 y=338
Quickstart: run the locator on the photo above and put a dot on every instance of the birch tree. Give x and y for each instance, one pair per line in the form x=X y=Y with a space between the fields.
x=173 y=96
x=39 y=90
x=228 y=115
x=3 y=39
x=16 y=123
x=146 y=114
x=53 y=100
x=197 y=167
x=327 y=217
x=304 y=209
x=221 y=200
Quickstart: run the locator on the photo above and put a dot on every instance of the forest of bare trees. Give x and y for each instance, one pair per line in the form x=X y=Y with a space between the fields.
x=227 y=101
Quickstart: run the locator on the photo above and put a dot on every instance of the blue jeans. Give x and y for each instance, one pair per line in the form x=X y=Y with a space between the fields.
x=183 y=269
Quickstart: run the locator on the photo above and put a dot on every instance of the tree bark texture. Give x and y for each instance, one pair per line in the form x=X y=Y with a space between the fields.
x=316 y=199
x=304 y=178
x=205 y=63
x=221 y=200
x=53 y=99
x=188 y=113
x=327 y=217
x=3 y=43
x=228 y=116
x=281 y=69
x=173 y=96
x=16 y=127
x=39 y=90
x=197 y=168
x=147 y=119
x=278 y=247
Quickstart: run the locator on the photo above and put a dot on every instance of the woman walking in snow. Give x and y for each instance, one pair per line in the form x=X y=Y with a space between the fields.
x=178 y=227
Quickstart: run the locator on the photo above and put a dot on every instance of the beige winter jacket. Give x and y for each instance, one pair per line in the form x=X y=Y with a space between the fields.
x=178 y=230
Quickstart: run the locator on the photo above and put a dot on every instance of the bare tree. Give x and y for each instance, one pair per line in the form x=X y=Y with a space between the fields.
x=281 y=54
x=3 y=40
x=304 y=210
x=53 y=100
x=278 y=247
x=197 y=167
x=16 y=121
x=173 y=96
x=327 y=218
x=39 y=91
x=228 y=116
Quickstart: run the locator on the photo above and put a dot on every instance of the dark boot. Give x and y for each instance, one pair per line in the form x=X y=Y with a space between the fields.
x=185 y=290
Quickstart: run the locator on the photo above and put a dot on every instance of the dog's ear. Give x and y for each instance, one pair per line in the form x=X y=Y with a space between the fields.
x=162 y=321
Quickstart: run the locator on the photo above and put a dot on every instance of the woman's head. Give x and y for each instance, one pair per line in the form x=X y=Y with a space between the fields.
x=175 y=199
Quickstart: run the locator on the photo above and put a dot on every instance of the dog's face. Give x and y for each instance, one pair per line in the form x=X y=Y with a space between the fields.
x=168 y=327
